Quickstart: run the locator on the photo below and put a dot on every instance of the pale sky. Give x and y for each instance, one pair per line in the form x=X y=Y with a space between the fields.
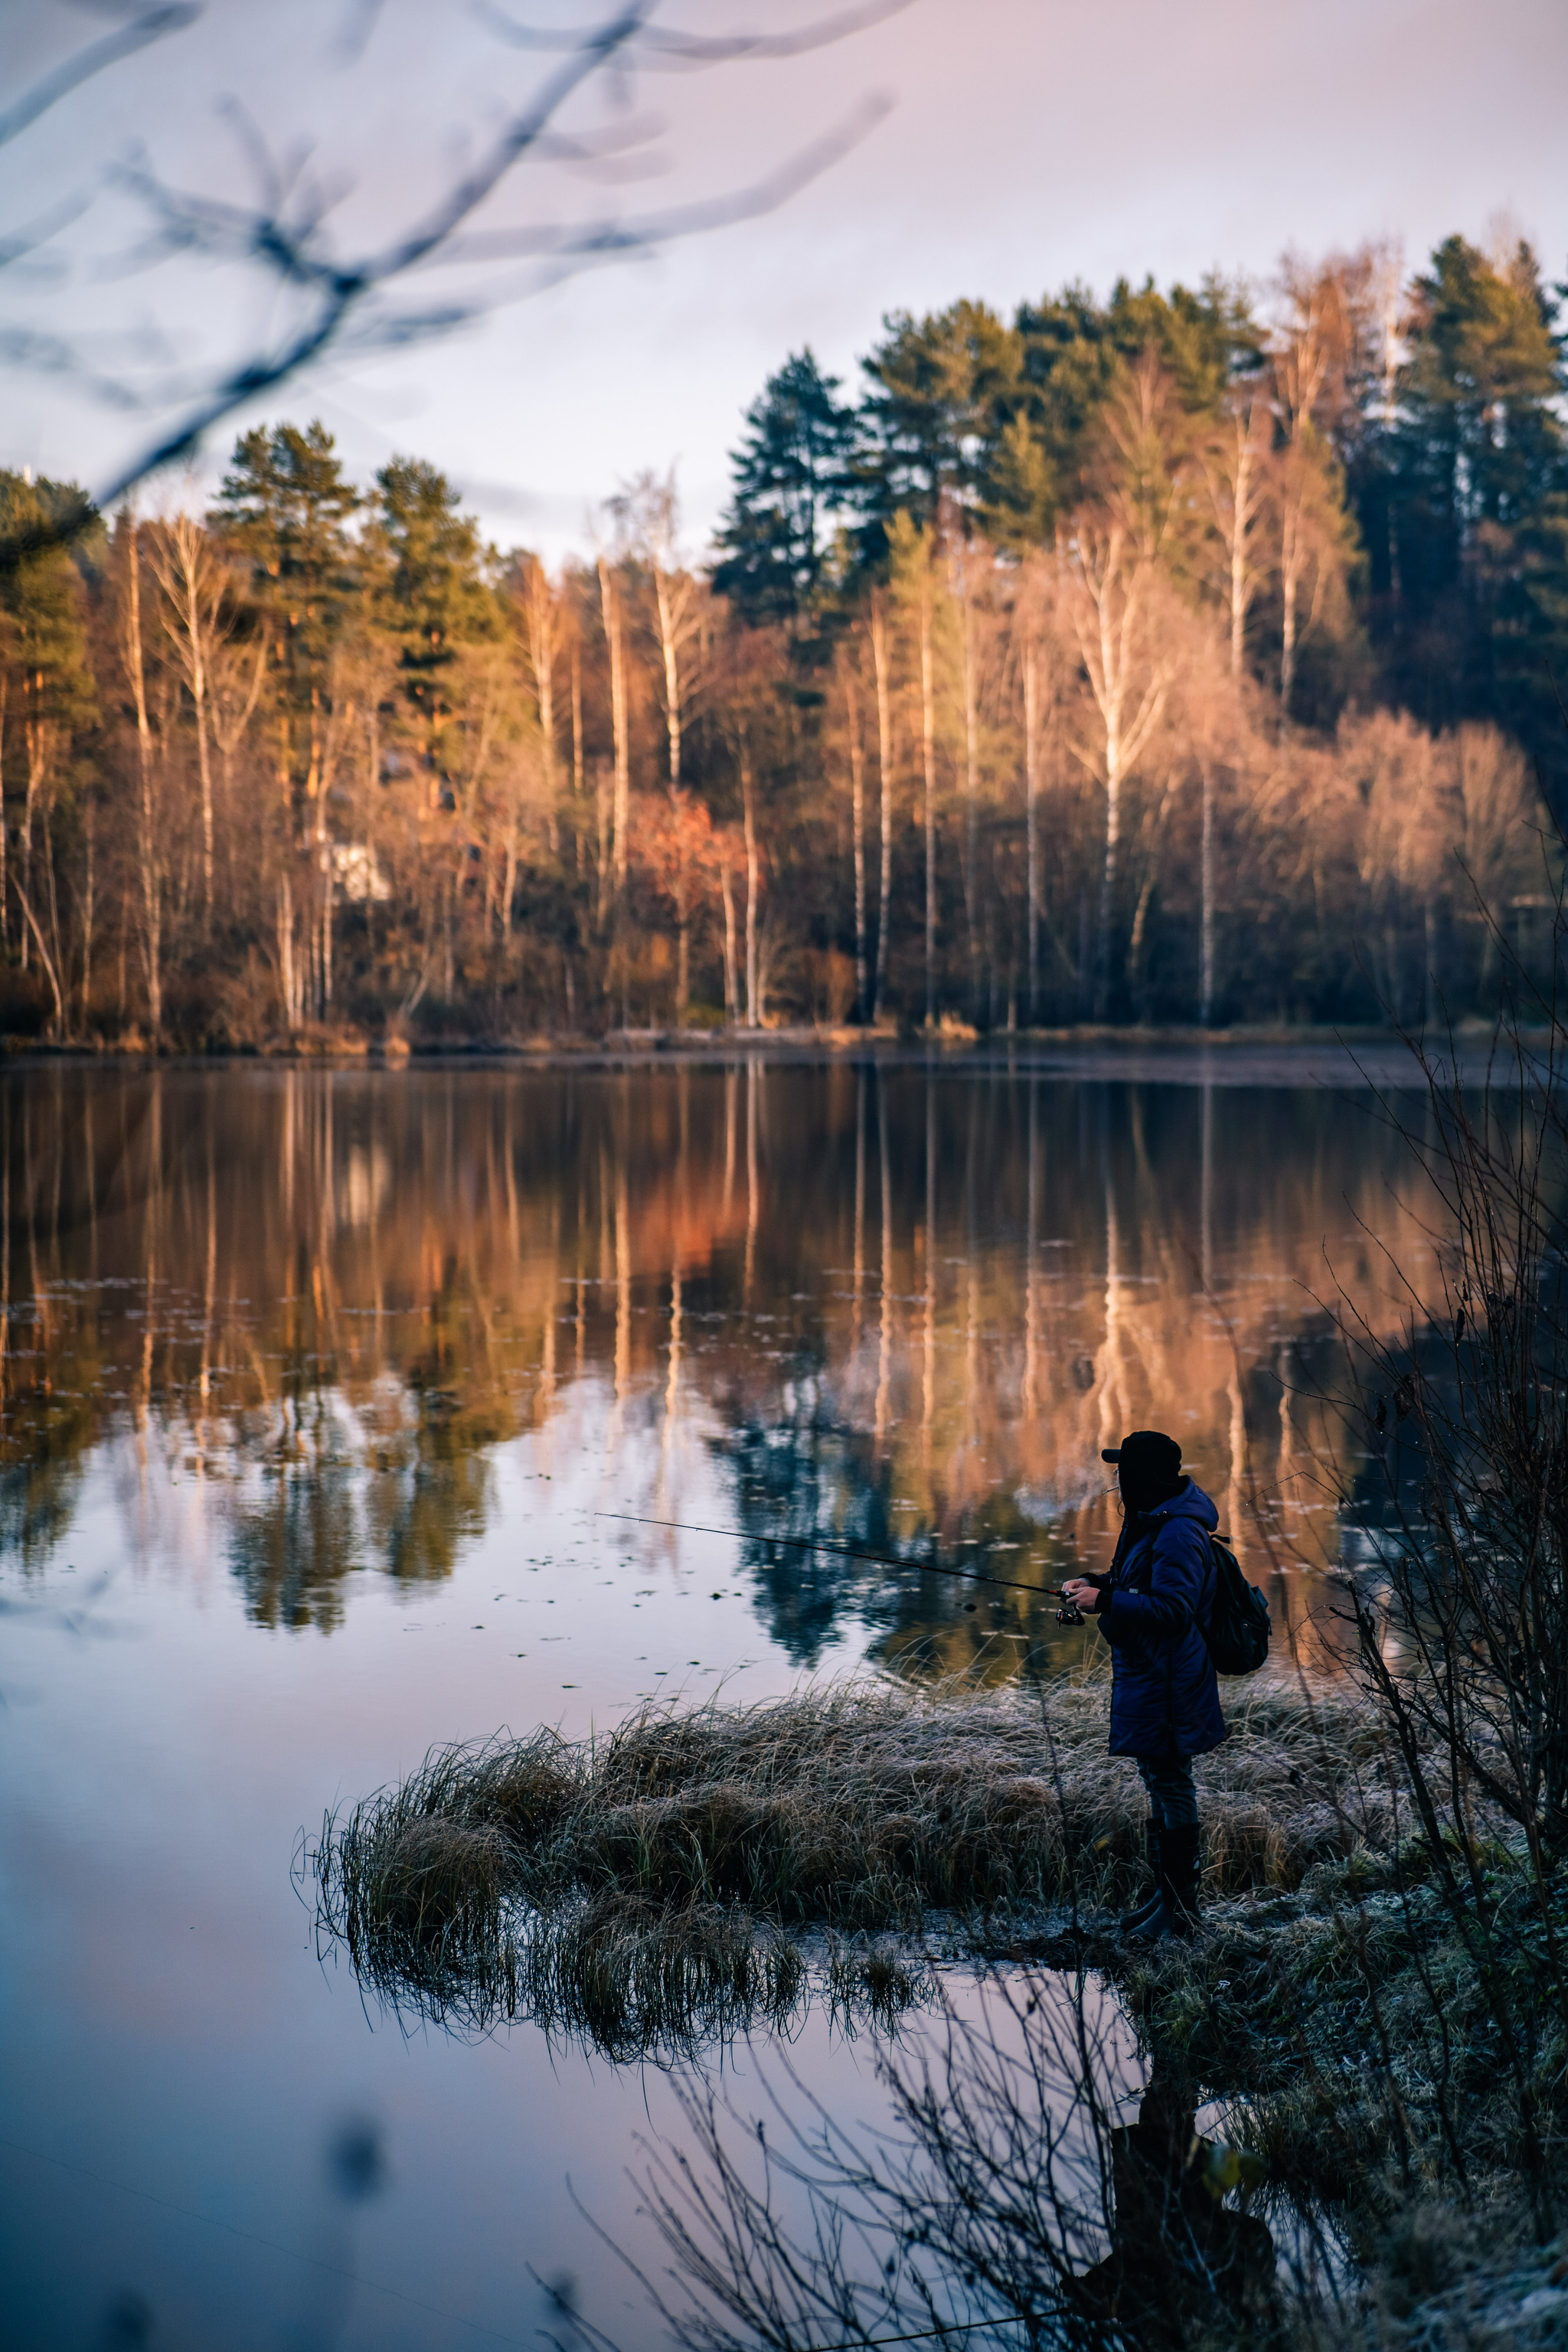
x=1024 y=143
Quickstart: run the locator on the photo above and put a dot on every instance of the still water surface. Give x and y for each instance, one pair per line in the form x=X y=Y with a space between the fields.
x=317 y=1387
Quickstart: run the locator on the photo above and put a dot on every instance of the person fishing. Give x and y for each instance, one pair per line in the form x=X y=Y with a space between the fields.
x=1164 y=1700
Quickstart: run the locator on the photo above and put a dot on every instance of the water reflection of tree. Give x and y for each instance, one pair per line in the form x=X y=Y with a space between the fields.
x=920 y=1299
x=41 y=1476
x=808 y=1474
x=292 y=1550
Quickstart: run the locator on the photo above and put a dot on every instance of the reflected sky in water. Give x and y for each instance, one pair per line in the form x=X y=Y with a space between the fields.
x=316 y=1385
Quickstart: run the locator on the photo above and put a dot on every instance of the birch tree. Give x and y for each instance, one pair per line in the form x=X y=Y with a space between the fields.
x=848 y=672
x=620 y=814
x=1235 y=468
x=132 y=663
x=650 y=512
x=1110 y=593
x=881 y=670
x=964 y=564
x=543 y=631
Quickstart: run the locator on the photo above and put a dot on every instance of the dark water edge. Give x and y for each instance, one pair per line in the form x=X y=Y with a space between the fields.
x=1265 y=1056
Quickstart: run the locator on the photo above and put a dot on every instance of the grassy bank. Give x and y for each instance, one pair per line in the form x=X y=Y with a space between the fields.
x=683 y=1873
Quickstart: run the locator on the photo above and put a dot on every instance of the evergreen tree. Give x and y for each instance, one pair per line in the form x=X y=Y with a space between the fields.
x=938 y=394
x=435 y=598
x=285 y=506
x=1473 y=557
x=47 y=698
x=791 y=477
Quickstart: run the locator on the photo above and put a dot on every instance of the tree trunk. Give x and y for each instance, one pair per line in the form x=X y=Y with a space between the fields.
x=749 y=815
x=286 y=974
x=1289 y=584
x=1032 y=817
x=543 y=626
x=4 y=902
x=1205 y=946
x=1108 y=879
x=203 y=754
x=35 y=736
x=610 y=604
x=88 y=827
x=1239 y=583
x=602 y=804
x=971 y=796
x=51 y=971
x=152 y=895
x=509 y=881
x=879 y=664
x=732 y=983
x=1109 y=622
x=927 y=748
x=858 y=829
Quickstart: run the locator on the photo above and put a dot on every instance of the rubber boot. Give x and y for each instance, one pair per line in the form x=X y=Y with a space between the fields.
x=1145 y=1911
x=1181 y=1848
x=1176 y=1913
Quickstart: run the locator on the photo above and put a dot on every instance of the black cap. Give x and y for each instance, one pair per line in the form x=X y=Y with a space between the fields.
x=1149 y=1451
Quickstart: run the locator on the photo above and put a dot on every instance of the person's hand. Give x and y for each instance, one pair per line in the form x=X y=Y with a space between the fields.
x=1083 y=1595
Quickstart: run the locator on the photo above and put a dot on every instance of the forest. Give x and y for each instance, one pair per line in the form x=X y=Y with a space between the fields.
x=1178 y=658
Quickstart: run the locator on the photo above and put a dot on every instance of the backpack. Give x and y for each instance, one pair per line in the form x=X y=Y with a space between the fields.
x=1238 y=1627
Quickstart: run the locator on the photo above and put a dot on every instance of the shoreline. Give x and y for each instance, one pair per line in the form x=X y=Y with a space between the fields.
x=1255 y=1054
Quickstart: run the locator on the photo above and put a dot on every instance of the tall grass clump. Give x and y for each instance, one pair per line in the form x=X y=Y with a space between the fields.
x=671 y=1874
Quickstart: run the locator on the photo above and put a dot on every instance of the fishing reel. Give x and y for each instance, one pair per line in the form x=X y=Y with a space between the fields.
x=1069 y=1613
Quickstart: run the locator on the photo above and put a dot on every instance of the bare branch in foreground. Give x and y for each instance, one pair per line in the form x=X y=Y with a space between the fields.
x=341 y=302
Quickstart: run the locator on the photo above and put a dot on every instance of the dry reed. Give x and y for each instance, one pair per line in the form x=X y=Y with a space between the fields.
x=658 y=1882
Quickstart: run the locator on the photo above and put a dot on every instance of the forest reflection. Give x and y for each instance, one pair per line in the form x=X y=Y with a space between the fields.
x=902 y=1304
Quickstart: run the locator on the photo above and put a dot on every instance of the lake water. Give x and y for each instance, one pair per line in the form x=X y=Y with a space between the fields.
x=318 y=1388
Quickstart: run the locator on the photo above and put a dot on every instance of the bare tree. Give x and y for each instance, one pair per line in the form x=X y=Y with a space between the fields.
x=542 y=630
x=1235 y=464
x=928 y=765
x=962 y=564
x=881 y=668
x=649 y=509
x=1029 y=627
x=1110 y=593
x=749 y=820
x=620 y=811
x=194 y=580
x=132 y=662
x=857 y=820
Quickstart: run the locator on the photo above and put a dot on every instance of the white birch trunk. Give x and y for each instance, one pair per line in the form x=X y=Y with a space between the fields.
x=927 y=748
x=880 y=668
x=1032 y=816
x=857 y=832
x=972 y=794
x=610 y=604
x=731 y=985
x=1206 y=947
x=749 y=817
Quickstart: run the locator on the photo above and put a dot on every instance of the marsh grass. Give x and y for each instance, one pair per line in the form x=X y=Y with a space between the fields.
x=696 y=1871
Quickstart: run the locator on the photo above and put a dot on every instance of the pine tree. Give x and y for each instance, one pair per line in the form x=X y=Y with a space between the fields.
x=285 y=506
x=791 y=477
x=435 y=598
x=1477 y=464
x=48 y=696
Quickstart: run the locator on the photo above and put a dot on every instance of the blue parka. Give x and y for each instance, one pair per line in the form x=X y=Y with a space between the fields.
x=1164 y=1697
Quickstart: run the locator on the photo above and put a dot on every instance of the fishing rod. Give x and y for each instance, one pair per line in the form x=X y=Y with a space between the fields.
x=1068 y=1616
